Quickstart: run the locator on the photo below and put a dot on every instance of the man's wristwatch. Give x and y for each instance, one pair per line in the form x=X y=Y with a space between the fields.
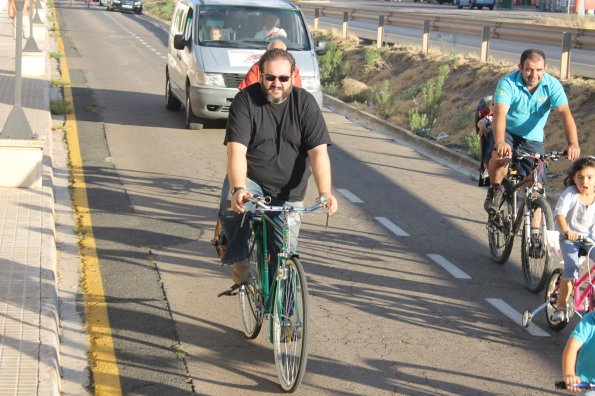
x=236 y=189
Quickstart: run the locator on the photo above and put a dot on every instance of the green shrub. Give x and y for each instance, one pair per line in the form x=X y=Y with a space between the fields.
x=473 y=145
x=60 y=107
x=330 y=64
x=412 y=91
x=418 y=123
x=433 y=93
x=384 y=100
x=374 y=59
x=57 y=82
x=161 y=9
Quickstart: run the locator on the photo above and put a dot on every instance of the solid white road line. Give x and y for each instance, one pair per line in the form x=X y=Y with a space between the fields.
x=349 y=195
x=391 y=226
x=450 y=267
x=516 y=317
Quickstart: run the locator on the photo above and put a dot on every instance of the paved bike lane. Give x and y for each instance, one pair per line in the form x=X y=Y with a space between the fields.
x=402 y=288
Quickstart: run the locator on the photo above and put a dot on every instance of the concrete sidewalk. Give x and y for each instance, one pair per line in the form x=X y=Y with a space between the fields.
x=30 y=329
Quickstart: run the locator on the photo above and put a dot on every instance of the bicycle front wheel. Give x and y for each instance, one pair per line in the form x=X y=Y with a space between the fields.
x=290 y=325
x=536 y=261
x=251 y=296
x=500 y=231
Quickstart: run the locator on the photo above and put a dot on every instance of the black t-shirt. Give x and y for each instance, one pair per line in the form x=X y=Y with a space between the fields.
x=278 y=137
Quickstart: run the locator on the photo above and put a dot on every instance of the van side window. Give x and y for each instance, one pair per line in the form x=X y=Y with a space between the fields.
x=188 y=26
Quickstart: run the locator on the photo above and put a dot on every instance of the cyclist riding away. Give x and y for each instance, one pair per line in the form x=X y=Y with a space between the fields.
x=523 y=100
x=276 y=137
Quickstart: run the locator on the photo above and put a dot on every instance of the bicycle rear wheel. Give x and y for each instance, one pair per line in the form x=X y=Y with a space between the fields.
x=251 y=297
x=500 y=232
x=290 y=325
x=536 y=261
x=551 y=299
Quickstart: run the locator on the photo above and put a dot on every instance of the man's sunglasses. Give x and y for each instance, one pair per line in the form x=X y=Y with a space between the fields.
x=271 y=78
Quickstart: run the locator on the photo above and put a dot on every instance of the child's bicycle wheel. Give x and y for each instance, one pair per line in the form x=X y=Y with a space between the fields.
x=290 y=325
x=551 y=299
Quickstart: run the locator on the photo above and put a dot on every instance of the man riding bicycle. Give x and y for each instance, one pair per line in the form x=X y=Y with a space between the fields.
x=276 y=137
x=523 y=101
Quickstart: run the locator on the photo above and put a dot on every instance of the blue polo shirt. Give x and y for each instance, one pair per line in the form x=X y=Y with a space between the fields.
x=584 y=333
x=528 y=113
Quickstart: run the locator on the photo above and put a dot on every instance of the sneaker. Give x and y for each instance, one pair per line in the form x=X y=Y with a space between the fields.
x=241 y=273
x=559 y=315
x=537 y=249
x=492 y=202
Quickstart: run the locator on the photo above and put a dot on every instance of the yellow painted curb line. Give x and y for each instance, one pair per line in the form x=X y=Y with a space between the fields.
x=106 y=376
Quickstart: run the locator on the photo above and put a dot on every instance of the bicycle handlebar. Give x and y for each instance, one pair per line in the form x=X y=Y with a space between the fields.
x=552 y=155
x=585 y=239
x=583 y=385
x=262 y=205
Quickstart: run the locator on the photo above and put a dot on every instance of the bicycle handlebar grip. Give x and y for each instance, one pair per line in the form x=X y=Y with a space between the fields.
x=560 y=385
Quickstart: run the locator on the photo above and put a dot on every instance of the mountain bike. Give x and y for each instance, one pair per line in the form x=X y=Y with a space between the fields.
x=279 y=291
x=516 y=212
x=582 y=298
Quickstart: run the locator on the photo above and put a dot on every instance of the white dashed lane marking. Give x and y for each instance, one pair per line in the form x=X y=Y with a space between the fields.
x=349 y=195
x=516 y=317
x=391 y=226
x=448 y=266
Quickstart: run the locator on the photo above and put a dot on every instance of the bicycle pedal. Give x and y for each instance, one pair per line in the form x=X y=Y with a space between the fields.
x=232 y=291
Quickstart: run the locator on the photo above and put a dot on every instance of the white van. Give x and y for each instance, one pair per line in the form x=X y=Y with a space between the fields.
x=204 y=72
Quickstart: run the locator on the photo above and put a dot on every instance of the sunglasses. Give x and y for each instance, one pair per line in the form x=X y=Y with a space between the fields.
x=271 y=78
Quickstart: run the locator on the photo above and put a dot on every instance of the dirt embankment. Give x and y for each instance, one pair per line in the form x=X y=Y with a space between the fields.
x=407 y=71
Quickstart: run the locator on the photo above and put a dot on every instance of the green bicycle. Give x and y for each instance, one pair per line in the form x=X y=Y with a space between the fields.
x=278 y=291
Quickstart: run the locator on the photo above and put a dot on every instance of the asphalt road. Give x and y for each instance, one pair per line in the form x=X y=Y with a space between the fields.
x=404 y=296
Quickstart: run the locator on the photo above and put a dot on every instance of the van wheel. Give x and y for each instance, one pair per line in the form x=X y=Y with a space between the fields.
x=192 y=121
x=171 y=102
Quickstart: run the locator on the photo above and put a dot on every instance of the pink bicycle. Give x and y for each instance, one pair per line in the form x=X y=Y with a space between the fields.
x=582 y=299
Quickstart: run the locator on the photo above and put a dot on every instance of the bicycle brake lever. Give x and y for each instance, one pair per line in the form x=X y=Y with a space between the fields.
x=243 y=219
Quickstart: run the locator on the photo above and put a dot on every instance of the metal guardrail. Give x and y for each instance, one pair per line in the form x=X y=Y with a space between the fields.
x=580 y=38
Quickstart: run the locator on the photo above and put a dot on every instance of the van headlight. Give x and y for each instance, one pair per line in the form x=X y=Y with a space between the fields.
x=213 y=80
x=137 y=3
x=311 y=84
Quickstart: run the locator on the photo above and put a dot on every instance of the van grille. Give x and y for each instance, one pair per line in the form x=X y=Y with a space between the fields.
x=232 y=80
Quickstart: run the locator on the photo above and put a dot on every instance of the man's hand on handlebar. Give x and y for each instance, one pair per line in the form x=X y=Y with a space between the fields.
x=573 y=152
x=332 y=205
x=503 y=149
x=239 y=199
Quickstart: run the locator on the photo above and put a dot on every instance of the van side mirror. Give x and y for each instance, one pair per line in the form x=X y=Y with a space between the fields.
x=180 y=42
x=321 y=47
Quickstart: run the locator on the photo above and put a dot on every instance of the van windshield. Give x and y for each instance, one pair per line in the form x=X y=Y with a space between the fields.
x=250 y=27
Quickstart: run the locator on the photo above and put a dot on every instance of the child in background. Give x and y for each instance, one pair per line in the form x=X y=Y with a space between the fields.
x=575 y=216
x=578 y=359
x=483 y=126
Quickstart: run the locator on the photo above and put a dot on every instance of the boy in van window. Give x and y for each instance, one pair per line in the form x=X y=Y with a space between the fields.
x=215 y=33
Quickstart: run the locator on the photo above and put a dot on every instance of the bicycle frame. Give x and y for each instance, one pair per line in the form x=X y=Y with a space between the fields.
x=531 y=190
x=581 y=302
x=260 y=227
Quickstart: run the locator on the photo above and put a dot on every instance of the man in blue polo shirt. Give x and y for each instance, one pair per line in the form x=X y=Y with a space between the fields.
x=523 y=101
